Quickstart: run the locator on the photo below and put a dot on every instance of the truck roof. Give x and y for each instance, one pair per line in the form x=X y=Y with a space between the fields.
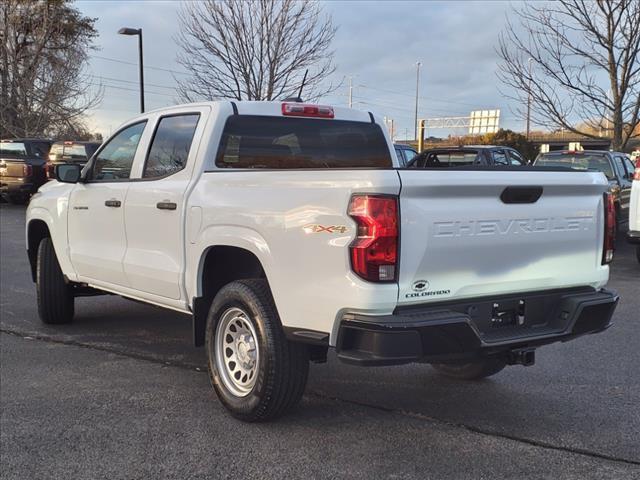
x=271 y=108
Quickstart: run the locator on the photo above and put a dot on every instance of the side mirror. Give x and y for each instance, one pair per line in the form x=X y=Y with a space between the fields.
x=68 y=172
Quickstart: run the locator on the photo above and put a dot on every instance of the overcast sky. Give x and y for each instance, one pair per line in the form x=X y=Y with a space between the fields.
x=378 y=43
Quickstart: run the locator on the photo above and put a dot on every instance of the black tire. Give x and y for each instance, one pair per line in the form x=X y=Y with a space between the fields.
x=471 y=371
x=55 y=296
x=282 y=367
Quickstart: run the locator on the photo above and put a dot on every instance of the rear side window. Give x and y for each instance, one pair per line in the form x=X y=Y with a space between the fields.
x=250 y=141
x=170 y=145
x=578 y=161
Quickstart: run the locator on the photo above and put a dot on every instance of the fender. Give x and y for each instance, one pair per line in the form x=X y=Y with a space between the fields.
x=58 y=231
x=229 y=236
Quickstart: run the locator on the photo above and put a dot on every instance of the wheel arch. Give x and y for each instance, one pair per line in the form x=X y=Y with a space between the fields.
x=37 y=229
x=219 y=265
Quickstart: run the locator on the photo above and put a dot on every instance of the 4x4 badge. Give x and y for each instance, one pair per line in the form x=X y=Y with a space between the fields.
x=315 y=228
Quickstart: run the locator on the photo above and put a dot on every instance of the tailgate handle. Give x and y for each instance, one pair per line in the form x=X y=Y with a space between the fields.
x=521 y=194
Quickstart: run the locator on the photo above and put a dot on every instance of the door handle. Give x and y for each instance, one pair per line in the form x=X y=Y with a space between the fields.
x=166 y=205
x=113 y=203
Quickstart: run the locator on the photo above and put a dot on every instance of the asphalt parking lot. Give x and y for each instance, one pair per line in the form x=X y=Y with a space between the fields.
x=121 y=393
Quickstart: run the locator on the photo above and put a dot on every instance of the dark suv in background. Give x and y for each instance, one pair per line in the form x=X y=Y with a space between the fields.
x=69 y=152
x=22 y=167
x=616 y=166
x=466 y=156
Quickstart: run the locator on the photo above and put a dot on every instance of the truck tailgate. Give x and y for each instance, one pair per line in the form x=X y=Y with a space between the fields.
x=11 y=168
x=459 y=239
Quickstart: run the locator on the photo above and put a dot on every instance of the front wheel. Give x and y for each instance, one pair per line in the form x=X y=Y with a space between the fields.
x=471 y=371
x=55 y=297
x=257 y=373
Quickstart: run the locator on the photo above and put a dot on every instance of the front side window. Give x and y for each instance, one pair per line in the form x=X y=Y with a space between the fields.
x=114 y=161
x=619 y=167
x=630 y=168
x=251 y=141
x=170 y=145
x=516 y=158
x=499 y=157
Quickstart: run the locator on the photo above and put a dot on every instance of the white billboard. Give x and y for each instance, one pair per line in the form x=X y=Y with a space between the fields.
x=484 y=121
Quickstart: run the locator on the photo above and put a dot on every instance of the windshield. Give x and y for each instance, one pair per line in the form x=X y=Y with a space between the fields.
x=13 y=149
x=578 y=161
x=250 y=141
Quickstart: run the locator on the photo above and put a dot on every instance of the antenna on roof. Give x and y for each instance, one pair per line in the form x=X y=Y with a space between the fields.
x=304 y=79
x=298 y=99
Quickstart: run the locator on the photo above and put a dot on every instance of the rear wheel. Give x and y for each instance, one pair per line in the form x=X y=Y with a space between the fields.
x=257 y=373
x=55 y=297
x=471 y=371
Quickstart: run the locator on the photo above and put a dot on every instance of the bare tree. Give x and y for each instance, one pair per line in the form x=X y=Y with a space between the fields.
x=576 y=61
x=43 y=52
x=254 y=50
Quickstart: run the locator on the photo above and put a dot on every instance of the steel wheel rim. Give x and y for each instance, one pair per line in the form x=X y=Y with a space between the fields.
x=237 y=352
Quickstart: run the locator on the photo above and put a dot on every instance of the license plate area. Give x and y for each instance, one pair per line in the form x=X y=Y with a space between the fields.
x=513 y=316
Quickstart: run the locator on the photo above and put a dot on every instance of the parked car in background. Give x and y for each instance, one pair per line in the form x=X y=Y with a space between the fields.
x=633 y=235
x=405 y=153
x=22 y=167
x=69 y=152
x=616 y=166
x=472 y=155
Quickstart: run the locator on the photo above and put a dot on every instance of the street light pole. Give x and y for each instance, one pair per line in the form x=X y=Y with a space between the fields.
x=350 y=91
x=529 y=101
x=415 y=123
x=138 y=32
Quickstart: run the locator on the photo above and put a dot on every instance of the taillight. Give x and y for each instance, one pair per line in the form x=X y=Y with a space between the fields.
x=306 y=110
x=27 y=170
x=636 y=175
x=49 y=169
x=609 y=229
x=374 y=251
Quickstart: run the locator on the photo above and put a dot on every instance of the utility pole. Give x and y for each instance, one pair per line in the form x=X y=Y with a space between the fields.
x=350 y=91
x=529 y=101
x=415 y=123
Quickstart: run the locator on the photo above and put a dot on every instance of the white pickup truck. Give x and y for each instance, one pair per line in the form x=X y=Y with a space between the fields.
x=288 y=228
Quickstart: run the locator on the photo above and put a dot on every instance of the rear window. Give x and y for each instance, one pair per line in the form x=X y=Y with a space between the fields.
x=588 y=162
x=448 y=159
x=13 y=149
x=76 y=151
x=251 y=141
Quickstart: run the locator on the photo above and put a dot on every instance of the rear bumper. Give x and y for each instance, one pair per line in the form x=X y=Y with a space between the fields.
x=633 y=236
x=16 y=186
x=473 y=329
